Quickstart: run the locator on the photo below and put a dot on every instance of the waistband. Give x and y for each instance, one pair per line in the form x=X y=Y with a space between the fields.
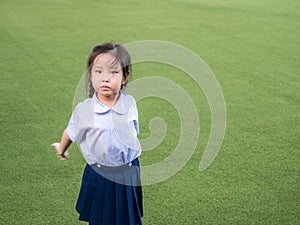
x=116 y=169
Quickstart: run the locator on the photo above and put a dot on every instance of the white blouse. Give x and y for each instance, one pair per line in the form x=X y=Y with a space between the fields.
x=107 y=136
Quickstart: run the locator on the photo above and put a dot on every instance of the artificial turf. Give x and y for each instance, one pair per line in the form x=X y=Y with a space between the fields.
x=252 y=47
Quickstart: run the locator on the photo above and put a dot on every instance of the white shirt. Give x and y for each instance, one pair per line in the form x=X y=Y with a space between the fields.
x=106 y=135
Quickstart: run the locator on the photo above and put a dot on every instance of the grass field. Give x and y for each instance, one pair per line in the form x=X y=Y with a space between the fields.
x=253 y=48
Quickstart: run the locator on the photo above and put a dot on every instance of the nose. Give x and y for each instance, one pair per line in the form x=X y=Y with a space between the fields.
x=105 y=77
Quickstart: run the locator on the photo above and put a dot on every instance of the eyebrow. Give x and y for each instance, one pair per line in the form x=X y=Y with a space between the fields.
x=111 y=67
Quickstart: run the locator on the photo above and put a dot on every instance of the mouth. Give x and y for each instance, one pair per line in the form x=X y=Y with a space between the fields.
x=105 y=87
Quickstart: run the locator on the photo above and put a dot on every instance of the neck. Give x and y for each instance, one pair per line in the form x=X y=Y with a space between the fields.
x=109 y=101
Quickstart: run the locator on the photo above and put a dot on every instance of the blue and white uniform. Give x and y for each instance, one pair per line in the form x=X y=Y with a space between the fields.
x=111 y=191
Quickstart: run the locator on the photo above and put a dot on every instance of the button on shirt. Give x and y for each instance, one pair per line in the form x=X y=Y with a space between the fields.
x=106 y=135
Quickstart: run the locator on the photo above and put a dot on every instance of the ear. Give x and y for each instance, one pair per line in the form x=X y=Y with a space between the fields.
x=125 y=78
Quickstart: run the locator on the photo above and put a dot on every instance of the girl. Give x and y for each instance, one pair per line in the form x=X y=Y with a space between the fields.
x=106 y=126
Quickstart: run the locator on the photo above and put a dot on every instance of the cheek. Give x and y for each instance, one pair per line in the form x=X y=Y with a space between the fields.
x=95 y=80
x=116 y=79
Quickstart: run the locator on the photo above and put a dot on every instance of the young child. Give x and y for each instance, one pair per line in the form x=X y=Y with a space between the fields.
x=106 y=126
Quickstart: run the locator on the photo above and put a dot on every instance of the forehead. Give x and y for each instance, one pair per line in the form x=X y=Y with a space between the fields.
x=105 y=60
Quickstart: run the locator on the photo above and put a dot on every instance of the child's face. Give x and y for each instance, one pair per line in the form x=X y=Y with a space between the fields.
x=107 y=77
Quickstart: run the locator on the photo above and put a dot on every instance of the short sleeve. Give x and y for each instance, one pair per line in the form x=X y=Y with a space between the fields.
x=74 y=128
x=133 y=118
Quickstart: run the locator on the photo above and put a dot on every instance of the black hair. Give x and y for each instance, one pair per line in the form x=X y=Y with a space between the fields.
x=121 y=55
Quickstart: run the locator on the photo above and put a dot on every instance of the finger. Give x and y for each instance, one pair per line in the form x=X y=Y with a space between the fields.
x=63 y=156
x=54 y=144
x=66 y=154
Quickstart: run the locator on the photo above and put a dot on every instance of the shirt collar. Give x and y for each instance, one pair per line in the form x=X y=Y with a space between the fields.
x=121 y=106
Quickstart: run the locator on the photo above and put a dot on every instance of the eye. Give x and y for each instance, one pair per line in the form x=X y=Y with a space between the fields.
x=114 y=72
x=98 y=71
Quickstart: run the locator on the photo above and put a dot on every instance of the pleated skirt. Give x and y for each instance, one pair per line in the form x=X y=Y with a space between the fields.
x=111 y=195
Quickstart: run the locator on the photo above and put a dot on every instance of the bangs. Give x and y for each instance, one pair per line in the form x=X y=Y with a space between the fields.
x=121 y=57
x=116 y=62
x=113 y=61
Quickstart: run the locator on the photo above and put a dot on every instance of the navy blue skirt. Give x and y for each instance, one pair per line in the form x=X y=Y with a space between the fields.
x=111 y=195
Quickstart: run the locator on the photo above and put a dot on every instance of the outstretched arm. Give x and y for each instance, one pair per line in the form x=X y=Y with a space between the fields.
x=62 y=147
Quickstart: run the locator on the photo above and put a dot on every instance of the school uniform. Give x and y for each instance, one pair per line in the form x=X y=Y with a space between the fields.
x=111 y=192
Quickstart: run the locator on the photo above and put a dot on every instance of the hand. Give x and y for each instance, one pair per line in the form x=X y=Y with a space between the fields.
x=63 y=155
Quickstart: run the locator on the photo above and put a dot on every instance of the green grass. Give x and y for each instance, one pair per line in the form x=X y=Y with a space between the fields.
x=251 y=46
